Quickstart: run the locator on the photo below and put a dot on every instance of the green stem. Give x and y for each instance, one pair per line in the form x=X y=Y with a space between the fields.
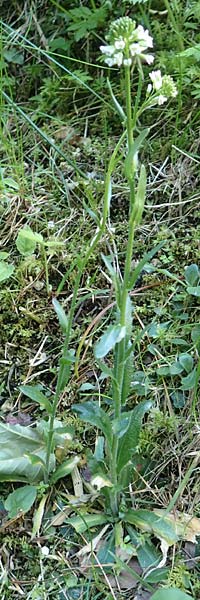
x=175 y=25
x=45 y=268
x=119 y=358
x=82 y=265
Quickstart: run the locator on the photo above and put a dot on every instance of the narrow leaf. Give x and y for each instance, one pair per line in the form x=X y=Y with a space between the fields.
x=149 y=521
x=130 y=164
x=113 y=335
x=65 y=469
x=117 y=106
x=146 y=258
x=62 y=317
x=36 y=395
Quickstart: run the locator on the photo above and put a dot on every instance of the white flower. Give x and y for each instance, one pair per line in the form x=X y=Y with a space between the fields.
x=143 y=37
x=127 y=62
x=118 y=58
x=156 y=79
x=148 y=57
x=45 y=550
x=161 y=99
x=110 y=61
x=107 y=50
x=119 y=44
x=135 y=49
x=149 y=88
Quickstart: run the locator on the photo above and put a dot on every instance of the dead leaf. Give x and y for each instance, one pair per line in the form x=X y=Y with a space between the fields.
x=186 y=526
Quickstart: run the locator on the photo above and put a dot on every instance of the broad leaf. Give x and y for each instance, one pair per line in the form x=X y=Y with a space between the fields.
x=16 y=442
x=192 y=274
x=6 y=270
x=32 y=392
x=194 y=291
x=92 y=413
x=170 y=594
x=20 y=500
x=189 y=382
x=149 y=521
x=27 y=240
x=186 y=361
x=130 y=439
x=113 y=335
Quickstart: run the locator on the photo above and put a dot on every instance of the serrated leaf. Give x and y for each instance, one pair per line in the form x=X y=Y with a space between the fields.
x=113 y=335
x=62 y=317
x=92 y=413
x=6 y=270
x=36 y=395
x=130 y=439
x=192 y=274
x=186 y=361
x=20 y=500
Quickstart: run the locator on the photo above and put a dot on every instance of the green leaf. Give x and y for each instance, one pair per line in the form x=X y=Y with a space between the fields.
x=192 y=274
x=113 y=335
x=130 y=165
x=194 y=291
x=64 y=469
x=195 y=334
x=27 y=240
x=20 y=500
x=92 y=413
x=6 y=270
x=84 y=522
x=38 y=516
x=16 y=442
x=170 y=594
x=130 y=439
x=117 y=106
x=148 y=256
x=186 y=361
x=32 y=392
x=175 y=369
x=62 y=317
x=189 y=382
x=148 y=555
x=140 y=195
x=149 y=521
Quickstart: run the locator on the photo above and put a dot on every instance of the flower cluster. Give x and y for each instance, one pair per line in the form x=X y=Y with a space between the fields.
x=127 y=43
x=164 y=85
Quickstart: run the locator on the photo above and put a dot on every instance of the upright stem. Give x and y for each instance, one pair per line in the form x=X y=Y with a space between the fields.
x=121 y=346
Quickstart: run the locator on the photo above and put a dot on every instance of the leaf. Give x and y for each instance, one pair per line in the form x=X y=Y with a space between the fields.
x=140 y=195
x=113 y=335
x=62 y=317
x=130 y=439
x=15 y=444
x=38 y=516
x=187 y=527
x=64 y=469
x=32 y=392
x=20 y=500
x=6 y=270
x=149 y=521
x=148 y=555
x=92 y=413
x=192 y=274
x=170 y=594
x=130 y=164
x=186 y=361
x=148 y=256
x=195 y=334
x=117 y=106
x=189 y=382
x=194 y=291
x=27 y=240
x=84 y=522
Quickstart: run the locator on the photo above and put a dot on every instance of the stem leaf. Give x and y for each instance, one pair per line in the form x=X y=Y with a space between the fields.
x=112 y=336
